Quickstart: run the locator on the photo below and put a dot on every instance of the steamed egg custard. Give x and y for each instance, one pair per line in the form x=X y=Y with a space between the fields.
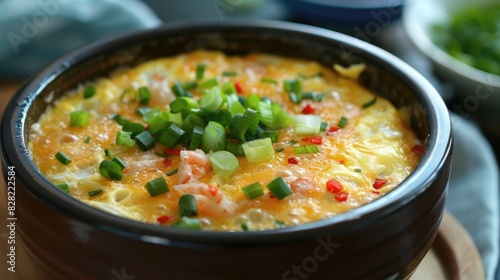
x=206 y=141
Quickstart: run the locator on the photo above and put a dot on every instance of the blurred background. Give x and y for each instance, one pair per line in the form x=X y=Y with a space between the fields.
x=34 y=32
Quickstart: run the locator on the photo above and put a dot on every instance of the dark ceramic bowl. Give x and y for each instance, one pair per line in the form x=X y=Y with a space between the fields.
x=385 y=239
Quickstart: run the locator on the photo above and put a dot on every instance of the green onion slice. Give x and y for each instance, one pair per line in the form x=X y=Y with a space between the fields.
x=145 y=140
x=171 y=136
x=119 y=162
x=134 y=128
x=253 y=191
x=144 y=95
x=224 y=163
x=308 y=149
x=124 y=138
x=188 y=223
x=157 y=186
x=307 y=124
x=129 y=96
x=235 y=149
x=79 y=118
x=95 y=192
x=63 y=187
x=268 y=81
x=279 y=188
x=110 y=170
x=343 y=121
x=196 y=138
x=62 y=158
x=211 y=100
x=87 y=139
x=258 y=150
x=229 y=73
x=187 y=205
x=200 y=71
x=210 y=83
x=172 y=172
x=214 y=137
x=89 y=91
x=370 y=103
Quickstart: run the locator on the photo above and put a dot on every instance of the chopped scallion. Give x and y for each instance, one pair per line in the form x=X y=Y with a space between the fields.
x=210 y=83
x=308 y=149
x=357 y=170
x=171 y=136
x=110 y=170
x=124 y=138
x=63 y=187
x=279 y=188
x=253 y=191
x=129 y=96
x=370 y=103
x=87 y=139
x=188 y=223
x=145 y=140
x=214 y=137
x=258 y=150
x=144 y=95
x=307 y=124
x=187 y=205
x=343 y=122
x=200 y=71
x=212 y=99
x=235 y=148
x=95 y=192
x=120 y=162
x=134 y=128
x=229 y=73
x=196 y=138
x=172 y=172
x=268 y=81
x=107 y=152
x=224 y=163
x=79 y=118
x=62 y=158
x=89 y=91
x=157 y=186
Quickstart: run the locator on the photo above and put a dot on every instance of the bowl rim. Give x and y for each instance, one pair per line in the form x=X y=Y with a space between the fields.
x=15 y=152
x=417 y=31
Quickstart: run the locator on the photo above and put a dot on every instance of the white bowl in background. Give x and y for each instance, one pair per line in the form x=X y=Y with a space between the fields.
x=478 y=92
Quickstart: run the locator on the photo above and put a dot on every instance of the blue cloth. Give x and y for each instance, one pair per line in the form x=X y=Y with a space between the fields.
x=34 y=32
x=473 y=196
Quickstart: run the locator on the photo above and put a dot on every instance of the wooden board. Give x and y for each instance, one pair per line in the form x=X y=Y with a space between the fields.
x=452 y=256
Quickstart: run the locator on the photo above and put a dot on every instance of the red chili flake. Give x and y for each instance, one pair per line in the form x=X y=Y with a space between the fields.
x=316 y=140
x=334 y=186
x=332 y=130
x=306 y=139
x=175 y=152
x=213 y=191
x=165 y=219
x=157 y=77
x=341 y=161
x=418 y=149
x=376 y=192
x=238 y=87
x=271 y=195
x=293 y=160
x=379 y=183
x=167 y=161
x=309 y=109
x=341 y=196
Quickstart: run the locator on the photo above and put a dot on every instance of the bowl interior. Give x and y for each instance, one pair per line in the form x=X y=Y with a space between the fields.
x=385 y=75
